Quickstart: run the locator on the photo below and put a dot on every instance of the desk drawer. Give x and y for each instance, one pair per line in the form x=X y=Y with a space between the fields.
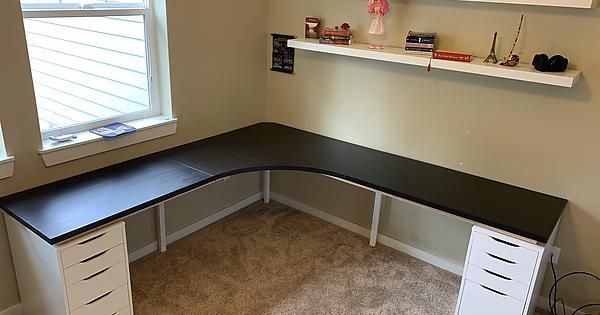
x=115 y=302
x=94 y=264
x=97 y=285
x=505 y=248
x=497 y=282
x=520 y=272
x=92 y=245
x=478 y=299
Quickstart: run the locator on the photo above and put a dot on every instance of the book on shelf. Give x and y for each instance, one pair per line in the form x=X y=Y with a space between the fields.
x=329 y=31
x=429 y=50
x=452 y=56
x=419 y=53
x=419 y=45
x=417 y=35
x=334 y=37
x=424 y=40
x=333 y=41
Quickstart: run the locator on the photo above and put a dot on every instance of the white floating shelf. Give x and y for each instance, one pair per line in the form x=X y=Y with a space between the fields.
x=522 y=72
x=581 y=4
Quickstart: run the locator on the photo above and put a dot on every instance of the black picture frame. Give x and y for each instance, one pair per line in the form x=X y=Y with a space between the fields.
x=282 y=56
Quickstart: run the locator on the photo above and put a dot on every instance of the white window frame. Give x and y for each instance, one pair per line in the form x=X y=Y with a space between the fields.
x=7 y=163
x=90 y=10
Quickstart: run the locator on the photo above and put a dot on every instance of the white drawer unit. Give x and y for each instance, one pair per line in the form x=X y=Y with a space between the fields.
x=114 y=302
x=502 y=275
x=89 y=268
x=97 y=285
x=485 y=300
x=90 y=246
x=88 y=275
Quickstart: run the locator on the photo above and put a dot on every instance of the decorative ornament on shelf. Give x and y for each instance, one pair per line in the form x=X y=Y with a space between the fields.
x=557 y=63
x=377 y=9
x=512 y=60
x=491 y=58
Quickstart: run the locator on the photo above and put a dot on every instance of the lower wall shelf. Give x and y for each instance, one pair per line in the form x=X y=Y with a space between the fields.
x=522 y=72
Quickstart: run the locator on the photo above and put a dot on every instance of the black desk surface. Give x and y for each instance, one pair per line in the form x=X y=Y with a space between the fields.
x=67 y=208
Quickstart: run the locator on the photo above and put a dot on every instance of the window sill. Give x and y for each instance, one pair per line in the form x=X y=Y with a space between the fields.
x=88 y=144
x=7 y=166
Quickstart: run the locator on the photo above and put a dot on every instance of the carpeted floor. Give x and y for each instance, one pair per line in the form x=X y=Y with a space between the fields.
x=270 y=259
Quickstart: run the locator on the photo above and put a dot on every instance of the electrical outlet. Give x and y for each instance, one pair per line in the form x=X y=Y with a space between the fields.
x=555 y=255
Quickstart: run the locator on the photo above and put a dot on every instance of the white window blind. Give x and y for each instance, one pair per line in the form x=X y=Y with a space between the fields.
x=90 y=61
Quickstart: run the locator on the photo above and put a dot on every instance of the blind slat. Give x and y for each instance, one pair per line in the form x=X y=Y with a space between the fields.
x=87 y=69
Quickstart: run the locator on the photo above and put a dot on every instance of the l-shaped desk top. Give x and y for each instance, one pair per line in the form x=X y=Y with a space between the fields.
x=64 y=209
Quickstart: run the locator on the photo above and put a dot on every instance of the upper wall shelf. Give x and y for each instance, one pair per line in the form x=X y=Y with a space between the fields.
x=582 y=4
x=396 y=55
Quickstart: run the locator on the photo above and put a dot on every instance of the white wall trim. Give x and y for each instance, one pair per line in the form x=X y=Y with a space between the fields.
x=179 y=234
x=7 y=166
x=143 y=251
x=13 y=310
x=383 y=239
x=88 y=144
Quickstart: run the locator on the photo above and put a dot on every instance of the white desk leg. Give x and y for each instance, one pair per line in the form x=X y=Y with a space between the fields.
x=267 y=186
x=162 y=231
x=375 y=223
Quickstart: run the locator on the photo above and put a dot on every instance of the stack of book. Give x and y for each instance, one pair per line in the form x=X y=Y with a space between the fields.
x=336 y=36
x=420 y=43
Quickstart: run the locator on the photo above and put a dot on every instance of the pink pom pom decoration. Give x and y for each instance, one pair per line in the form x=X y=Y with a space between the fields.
x=378 y=8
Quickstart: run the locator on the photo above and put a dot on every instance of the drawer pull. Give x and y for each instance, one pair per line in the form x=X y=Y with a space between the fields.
x=96 y=274
x=492 y=290
x=99 y=298
x=95 y=256
x=502 y=259
x=505 y=242
x=497 y=275
x=91 y=239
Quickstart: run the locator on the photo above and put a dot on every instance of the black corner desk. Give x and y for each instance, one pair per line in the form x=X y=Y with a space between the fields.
x=64 y=210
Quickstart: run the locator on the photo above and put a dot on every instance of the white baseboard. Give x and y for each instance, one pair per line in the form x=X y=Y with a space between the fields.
x=13 y=310
x=383 y=239
x=144 y=251
x=179 y=234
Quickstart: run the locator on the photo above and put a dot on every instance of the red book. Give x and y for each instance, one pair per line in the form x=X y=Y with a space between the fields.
x=333 y=32
x=452 y=56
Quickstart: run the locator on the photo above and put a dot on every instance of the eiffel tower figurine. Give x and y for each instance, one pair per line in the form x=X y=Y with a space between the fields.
x=492 y=56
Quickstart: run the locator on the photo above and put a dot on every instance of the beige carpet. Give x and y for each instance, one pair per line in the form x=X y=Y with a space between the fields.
x=270 y=259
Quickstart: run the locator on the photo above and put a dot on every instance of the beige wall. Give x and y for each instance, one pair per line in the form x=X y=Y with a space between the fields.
x=218 y=84
x=190 y=208
x=409 y=224
x=543 y=138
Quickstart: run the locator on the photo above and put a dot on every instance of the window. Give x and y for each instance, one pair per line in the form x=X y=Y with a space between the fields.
x=7 y=164
x=3 y=154
x=91 y=62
